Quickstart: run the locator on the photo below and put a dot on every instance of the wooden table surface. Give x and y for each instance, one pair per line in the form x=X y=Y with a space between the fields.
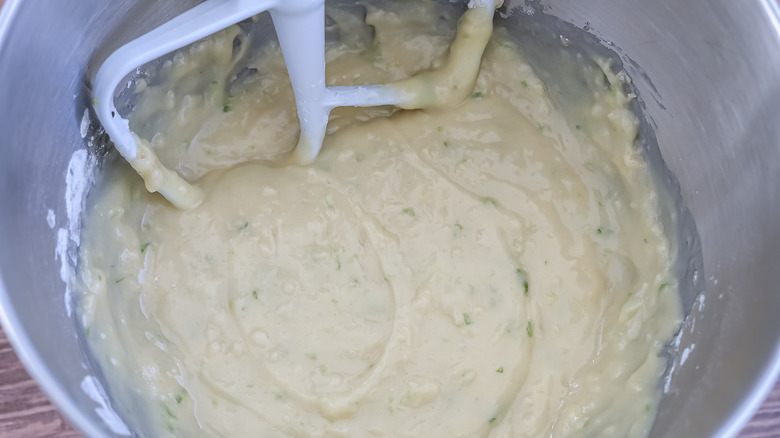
x=25 y=412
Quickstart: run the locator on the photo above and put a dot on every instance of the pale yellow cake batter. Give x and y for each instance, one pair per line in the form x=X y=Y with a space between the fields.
x=490 y=270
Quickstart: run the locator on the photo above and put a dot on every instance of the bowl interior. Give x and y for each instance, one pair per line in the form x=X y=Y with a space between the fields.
x=706 y=75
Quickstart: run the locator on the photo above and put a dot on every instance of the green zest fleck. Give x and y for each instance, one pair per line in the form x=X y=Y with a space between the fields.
x=120 y=280
x=168 y=411
x=599 y=231
x=409 y=211
x=226 y=109
x=645 y=239
x=243 y=225
x=178 y=399
x=254 y=294
x=457 y=230
x=577 y=127
x=662 y=286
x=477 y=95
x=525 y=84
x=529 y=329
x=500 y=370
x=523 y=277
x=446 y=144
x=144 y=246
x=487 y=200
x=493 y=420
x=467 y=319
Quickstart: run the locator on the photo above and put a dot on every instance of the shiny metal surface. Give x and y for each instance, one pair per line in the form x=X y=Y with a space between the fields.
x=707 y=72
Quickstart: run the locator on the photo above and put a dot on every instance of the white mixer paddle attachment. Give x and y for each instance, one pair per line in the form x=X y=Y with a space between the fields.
x=300 y=28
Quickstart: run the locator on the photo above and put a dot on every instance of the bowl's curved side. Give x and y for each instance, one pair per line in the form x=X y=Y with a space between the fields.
x=768 y=133
x=45 y=173
x=707 y=72
x=27 y=297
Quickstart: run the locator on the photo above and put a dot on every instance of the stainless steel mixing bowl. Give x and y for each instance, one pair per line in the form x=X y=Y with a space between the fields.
x=708 y=74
